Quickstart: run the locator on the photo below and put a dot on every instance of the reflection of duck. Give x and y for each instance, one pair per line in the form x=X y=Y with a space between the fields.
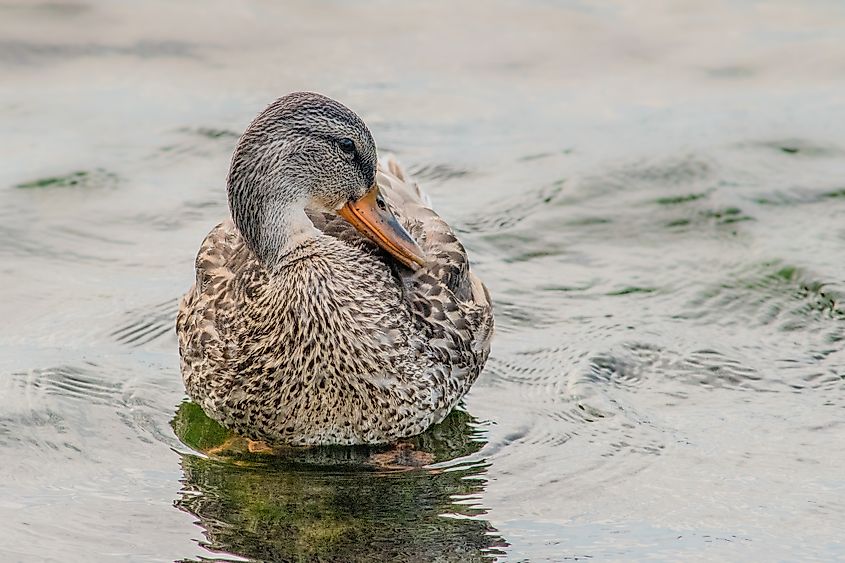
x=272 y=509
x=300 y=330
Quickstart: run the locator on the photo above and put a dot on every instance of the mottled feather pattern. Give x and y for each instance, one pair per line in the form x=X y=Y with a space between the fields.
x=341 y=344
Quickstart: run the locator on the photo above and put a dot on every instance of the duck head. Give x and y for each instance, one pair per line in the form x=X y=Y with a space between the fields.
x=307 y=151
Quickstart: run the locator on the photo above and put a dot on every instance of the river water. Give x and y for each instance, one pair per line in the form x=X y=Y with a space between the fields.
x=654 y=193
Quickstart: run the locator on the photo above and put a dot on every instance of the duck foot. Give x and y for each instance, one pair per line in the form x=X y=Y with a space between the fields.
x=231 y=444
x=259 y=447
x=237 y=445
x=402 y=456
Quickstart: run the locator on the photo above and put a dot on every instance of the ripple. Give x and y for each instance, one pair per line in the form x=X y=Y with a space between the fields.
x=80 y=179
x=29 y=244
x=567 y=394
x=631 y=366
x=700 y=218
x=772 y=293
x=37 y=419
x=28 y=52
x=629 y=370
x=712 y=369
x=800 y=148
x=189 y=213
x=509 y=211
x=59 y=407
x=531 y=224
x=514 y=313
x=681 y=199
x=439 y=172
x=201 y=142
x=682 y=170
x=49 y=9
x=800 y=196
x=147 y=324
x=76 y=383
x=536 y=367
x=212 y=133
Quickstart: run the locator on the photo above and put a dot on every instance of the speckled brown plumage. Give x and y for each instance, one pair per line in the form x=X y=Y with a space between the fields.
x=337 y=343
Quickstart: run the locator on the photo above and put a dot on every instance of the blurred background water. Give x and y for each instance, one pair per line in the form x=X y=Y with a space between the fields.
x=652 y=191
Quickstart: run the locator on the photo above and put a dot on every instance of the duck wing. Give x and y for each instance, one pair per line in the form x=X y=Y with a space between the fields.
x=208 y=311
x=450 y=305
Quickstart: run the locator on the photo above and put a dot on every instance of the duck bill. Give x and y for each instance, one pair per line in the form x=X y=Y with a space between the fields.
x=371 y=216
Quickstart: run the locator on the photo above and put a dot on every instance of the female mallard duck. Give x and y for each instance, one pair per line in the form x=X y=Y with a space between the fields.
x=299 y=330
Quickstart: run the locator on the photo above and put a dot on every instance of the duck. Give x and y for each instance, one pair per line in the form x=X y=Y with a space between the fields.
x=334 y=306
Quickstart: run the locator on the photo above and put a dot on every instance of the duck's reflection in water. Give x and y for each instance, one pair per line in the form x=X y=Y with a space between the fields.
x=335 y=504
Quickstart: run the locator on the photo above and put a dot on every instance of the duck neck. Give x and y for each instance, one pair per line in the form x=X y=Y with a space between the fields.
x=271 y=226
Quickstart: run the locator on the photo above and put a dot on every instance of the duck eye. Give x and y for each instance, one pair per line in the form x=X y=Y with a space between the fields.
x=346 y=145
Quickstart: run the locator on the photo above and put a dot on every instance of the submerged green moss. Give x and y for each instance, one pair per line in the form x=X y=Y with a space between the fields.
x=196 y=430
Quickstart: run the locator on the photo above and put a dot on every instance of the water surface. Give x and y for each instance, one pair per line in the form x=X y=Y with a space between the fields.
x=653 y=193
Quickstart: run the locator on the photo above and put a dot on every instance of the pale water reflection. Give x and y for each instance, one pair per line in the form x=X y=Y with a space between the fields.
x=653 y=193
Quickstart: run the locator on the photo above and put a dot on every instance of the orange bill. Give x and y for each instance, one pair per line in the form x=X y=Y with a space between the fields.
x=372 y=217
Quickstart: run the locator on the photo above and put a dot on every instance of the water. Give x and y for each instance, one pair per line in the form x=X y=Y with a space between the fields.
x=653 y=193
